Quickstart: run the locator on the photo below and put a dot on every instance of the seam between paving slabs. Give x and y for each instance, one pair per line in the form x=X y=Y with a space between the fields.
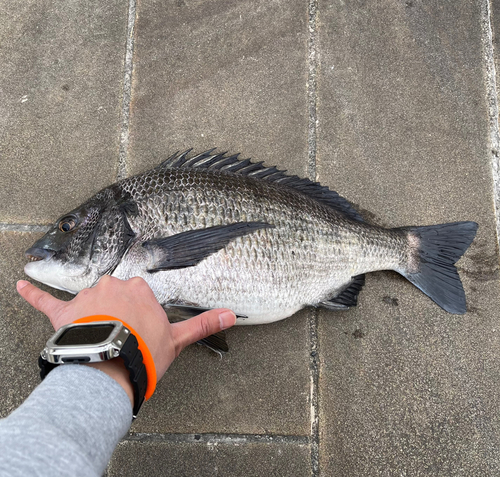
x=312 y=94
x=314 y=390
x=211 y=438
x=32 y=228
x=312 y=103
x=492 y=100
x=127 y=92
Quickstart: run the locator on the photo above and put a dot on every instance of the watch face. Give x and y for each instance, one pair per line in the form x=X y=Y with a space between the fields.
x=85 y=335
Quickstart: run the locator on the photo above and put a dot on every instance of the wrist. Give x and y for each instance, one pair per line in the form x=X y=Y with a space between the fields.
x=115 y=368
x=99 y=341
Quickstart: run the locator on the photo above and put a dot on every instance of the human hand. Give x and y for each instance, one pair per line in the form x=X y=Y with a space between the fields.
x=133 y=302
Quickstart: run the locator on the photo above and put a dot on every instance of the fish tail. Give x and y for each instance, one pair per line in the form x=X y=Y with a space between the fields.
x=434 y=250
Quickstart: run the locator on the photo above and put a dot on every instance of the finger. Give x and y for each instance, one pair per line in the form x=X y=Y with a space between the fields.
x=201 y=326
x=39 y=299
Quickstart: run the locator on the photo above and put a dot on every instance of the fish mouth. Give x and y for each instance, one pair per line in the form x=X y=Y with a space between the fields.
x=35 y=254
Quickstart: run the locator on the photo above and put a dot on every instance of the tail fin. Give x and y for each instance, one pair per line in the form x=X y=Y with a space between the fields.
x=431 y=268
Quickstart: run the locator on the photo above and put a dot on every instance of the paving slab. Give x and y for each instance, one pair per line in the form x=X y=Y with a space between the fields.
x=220 y=74
x=23 y=330
x=60 y=104
x=402 y=111
x=260 y=387
x=409 y=390
x=405 y=388
x=203 y=77
x=210 y=459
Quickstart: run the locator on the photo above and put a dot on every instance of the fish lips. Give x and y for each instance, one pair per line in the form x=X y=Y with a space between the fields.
x=44 y=267
x=35 y=254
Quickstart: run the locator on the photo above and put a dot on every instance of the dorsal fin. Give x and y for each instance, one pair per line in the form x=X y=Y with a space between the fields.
x=233 y=165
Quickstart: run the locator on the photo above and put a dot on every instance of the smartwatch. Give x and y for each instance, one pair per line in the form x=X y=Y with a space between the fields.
x=100 y=338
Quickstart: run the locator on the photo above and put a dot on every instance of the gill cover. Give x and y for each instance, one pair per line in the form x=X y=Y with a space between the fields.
x=83 y=245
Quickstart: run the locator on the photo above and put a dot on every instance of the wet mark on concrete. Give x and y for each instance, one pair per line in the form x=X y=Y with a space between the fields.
x=483 y=275
x=485 y=267
x=472 y=309
x=390 y=301
x=358 y=334
x=65 y=87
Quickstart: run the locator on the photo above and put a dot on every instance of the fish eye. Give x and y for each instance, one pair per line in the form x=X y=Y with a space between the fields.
x=67 y=224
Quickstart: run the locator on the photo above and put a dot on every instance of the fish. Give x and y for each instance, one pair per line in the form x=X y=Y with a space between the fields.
x=213 y=231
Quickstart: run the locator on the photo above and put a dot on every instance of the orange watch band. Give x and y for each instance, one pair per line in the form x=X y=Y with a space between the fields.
x=147 y=358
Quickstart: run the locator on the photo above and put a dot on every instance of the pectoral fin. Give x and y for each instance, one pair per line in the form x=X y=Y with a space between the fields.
x=187 y=249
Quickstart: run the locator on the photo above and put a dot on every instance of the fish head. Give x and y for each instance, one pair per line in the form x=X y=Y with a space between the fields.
x=82 y=246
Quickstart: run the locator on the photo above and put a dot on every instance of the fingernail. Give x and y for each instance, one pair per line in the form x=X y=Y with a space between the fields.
x=21 y=284
x=227 y=319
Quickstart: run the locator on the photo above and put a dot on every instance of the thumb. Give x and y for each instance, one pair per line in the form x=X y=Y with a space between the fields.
x=39 y=299
x=201 y=326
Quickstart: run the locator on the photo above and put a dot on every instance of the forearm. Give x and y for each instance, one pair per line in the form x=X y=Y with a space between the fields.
x=69 y=425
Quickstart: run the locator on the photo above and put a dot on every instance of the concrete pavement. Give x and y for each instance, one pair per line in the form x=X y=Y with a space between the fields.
x=391 y=103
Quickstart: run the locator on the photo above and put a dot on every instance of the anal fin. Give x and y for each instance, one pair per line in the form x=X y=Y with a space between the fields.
x=347 y=297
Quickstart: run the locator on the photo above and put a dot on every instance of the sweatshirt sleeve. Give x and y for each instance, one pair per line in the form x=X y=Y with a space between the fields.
x=69 y=425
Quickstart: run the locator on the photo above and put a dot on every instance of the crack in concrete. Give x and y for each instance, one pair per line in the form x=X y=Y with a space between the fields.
x=492 y=100
x=127 y=92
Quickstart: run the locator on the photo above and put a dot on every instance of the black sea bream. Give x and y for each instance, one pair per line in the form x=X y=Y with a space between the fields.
x=213 y=231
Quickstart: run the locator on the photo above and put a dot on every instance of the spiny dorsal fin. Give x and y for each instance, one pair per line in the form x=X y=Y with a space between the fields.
x=233 y=165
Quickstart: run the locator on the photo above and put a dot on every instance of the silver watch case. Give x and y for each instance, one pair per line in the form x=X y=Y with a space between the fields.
x=91 y=353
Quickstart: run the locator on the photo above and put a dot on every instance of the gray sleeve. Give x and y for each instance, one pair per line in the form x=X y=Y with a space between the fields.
x=69 y=425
